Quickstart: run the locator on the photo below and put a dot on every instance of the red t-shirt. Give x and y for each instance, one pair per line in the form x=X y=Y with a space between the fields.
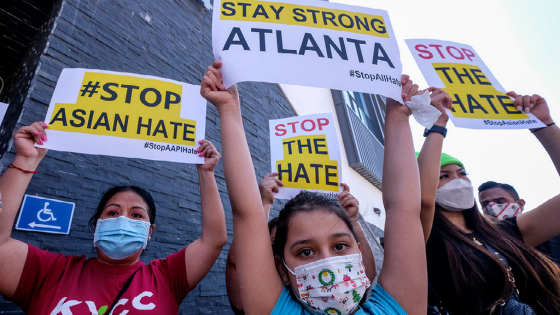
x=56 y=284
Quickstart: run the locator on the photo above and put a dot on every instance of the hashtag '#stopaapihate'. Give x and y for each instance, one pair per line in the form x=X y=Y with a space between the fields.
x=90 y=88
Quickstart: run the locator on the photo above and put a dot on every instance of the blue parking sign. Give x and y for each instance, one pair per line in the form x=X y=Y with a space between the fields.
x=45 y=215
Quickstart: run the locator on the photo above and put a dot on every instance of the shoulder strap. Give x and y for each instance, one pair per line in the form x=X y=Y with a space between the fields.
x=123 y=290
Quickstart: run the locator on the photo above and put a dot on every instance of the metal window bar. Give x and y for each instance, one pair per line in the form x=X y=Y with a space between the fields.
x=363 y=149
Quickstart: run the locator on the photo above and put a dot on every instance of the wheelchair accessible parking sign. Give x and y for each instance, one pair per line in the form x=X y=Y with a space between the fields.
x=45 y=215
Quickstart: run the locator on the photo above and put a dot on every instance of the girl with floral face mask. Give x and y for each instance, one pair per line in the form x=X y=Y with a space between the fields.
x=42 y=282
x=478 y=266
x=317 y=253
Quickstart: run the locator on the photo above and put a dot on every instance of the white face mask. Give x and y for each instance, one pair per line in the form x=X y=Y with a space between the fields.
x=333 y=285
x=503 y=210
x=457 y=195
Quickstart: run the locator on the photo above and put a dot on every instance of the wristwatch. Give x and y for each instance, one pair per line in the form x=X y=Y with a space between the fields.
x=438 y=129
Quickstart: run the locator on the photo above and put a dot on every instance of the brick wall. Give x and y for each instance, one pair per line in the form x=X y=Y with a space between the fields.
x=170 y=39
x=17 y=85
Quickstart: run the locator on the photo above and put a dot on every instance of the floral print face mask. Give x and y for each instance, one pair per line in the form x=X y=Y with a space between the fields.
x=333 y=285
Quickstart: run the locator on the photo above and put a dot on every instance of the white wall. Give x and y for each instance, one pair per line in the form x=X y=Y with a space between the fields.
x=309 y=100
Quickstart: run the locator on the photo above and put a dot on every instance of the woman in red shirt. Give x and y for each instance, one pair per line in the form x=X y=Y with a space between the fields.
x=47 y=283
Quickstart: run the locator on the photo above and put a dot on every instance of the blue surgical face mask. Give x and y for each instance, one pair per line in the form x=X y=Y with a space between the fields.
x=121 y=237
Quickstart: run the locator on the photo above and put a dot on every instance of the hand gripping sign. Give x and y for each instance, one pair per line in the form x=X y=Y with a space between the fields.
x=307 y=42
x=127 y=115
x=305 y=154
x=479 y=101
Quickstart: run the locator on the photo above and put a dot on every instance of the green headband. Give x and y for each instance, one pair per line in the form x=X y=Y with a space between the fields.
x=447 y=159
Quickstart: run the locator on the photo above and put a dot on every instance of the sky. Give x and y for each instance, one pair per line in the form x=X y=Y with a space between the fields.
x=519 y=41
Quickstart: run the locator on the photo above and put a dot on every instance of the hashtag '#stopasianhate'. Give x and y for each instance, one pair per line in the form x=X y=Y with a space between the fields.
x=90 y=88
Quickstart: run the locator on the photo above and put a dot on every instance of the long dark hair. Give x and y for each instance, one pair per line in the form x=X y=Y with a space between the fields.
x=306 y=201
x=536 y=276
x=144 y=194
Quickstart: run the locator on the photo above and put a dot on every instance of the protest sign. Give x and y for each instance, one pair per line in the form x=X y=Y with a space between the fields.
x=305 y=153
x=306 y=42
x=127 y=115
x=479 y=101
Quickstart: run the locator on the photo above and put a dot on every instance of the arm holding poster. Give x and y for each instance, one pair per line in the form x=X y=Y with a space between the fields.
x=428 y=161
x=406 y=282
x=201 y=254
x=268 y=187
x=249 y=223
x=542 y=223
x=13 y=183
x=548 y=136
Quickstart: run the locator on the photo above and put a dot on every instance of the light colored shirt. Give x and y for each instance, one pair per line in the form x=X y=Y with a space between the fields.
x=379 y=303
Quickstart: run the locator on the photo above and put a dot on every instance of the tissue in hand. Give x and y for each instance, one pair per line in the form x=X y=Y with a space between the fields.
x=424 y=113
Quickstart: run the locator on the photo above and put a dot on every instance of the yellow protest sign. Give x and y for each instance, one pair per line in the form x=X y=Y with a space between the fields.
x=137 y=116
x=128 y=107
x=479 y=101
x=304 y=15
x=305 y=154
x=473 y=94
x=306 y=164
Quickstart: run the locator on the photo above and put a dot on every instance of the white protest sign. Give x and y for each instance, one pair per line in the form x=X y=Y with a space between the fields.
x=309 y=43
x=305 y=152
x=3 y=109
x=479 y=101
x=127 y=115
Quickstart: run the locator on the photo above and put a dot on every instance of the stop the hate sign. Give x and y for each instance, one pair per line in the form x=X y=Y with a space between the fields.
x=479 y=101
x=306 y=155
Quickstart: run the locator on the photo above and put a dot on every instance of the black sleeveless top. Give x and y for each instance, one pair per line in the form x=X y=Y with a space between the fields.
x=440 y=276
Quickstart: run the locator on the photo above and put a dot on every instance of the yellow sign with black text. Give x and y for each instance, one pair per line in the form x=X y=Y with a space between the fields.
x=479 y=100
x=128 y=115
x=473 y=94
x=305 y=153
x=306 y=164
x=127 y=107
x=304 y=15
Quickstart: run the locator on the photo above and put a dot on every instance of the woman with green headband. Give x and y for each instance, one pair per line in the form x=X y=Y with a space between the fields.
x=477 y=266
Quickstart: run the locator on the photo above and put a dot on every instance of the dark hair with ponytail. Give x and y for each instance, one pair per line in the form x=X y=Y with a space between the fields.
x=306 y=201
x=144 y=194
x=536 y=276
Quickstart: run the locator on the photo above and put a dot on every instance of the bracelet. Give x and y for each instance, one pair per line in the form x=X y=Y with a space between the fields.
x=535 y=130
x=21 y=169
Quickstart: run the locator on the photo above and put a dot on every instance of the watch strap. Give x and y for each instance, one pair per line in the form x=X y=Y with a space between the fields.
x=439 y=129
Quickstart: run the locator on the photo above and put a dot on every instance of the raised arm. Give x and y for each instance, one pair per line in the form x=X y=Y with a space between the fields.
x=352 y=207
x=201 y=254
x=13 y=184
x=404 y=274
x=268 y=187
x=543 y=223
x=252 y=244
x=429 y=161
x=549 y=137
